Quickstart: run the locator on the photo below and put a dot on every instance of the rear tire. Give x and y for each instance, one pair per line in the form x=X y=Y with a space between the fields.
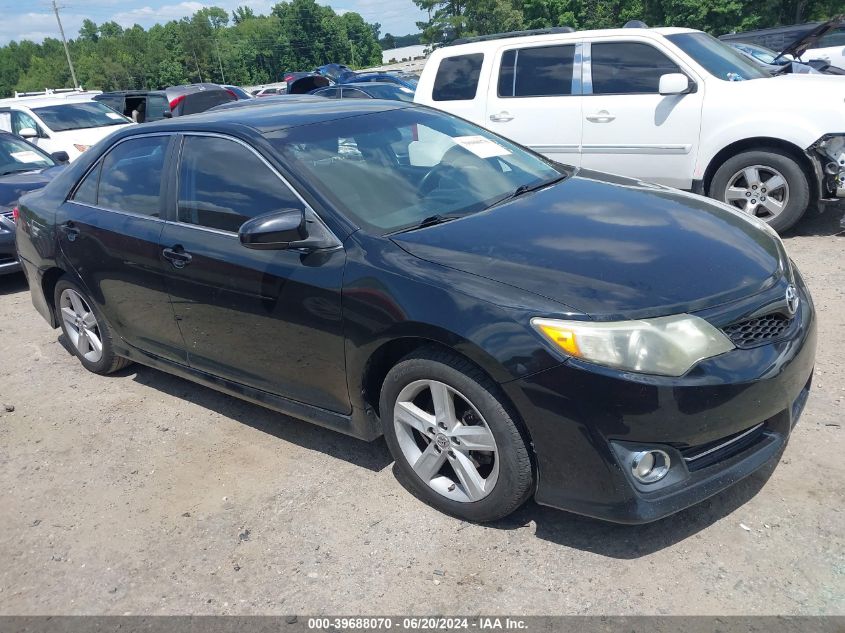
x=741 y=182
x=476 y=467
x=87 y=331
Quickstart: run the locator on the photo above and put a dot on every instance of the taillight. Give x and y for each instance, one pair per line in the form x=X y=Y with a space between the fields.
x=16 y=213
x=289 y=78
x=176 y=102
x=232 y=92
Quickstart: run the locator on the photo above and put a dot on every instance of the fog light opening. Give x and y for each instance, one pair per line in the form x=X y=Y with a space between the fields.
x=650 y=466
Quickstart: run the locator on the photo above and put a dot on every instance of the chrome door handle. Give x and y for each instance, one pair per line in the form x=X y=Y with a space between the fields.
x=602 y=116
x=501 y=117
x=177 y=256
x=69 y=229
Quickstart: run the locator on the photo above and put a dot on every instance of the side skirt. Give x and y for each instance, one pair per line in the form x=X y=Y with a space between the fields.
x=359 y=424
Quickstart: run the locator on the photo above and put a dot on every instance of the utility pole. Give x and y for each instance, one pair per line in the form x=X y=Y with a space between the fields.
x=219 y=60
x=64 y=41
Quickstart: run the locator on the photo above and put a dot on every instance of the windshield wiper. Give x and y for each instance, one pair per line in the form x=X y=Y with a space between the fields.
x=431 y=220
x=523 y=189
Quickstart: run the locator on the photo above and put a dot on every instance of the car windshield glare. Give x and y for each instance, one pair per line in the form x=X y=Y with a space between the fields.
x=716 y=57
x=390 y=170
x=75 y=116
x=17 y=155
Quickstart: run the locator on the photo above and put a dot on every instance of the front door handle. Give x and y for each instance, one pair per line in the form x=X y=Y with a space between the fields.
x=602 y=116
x=69 y=229
x=177 y=256
x=501 y=117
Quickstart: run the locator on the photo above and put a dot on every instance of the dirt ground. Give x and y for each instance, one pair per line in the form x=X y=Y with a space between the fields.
x=143 y=493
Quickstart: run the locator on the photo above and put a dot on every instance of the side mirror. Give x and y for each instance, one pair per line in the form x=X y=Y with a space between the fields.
x=674 y=84
x=28 y=132
x=275 y=231
x=60 y=157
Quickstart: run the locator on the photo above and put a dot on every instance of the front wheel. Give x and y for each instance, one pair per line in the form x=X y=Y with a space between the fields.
x=765 y=183
x=454 y=441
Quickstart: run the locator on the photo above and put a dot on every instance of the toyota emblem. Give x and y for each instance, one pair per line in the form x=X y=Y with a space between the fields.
x=792 y=299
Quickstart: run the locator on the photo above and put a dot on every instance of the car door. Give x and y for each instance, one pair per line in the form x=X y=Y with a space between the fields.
x=109 y=230
x=535 y=98
x=631 y=129
x=269 y=319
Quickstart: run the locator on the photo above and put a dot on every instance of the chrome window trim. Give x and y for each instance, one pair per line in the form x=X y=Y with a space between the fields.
x=306 y=207
x=586 y=68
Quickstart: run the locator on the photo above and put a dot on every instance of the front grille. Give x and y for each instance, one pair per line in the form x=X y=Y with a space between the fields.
x=757 y=331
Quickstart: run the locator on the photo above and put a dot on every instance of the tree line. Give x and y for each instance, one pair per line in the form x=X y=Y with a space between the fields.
x=451 y=19
x=211 y=45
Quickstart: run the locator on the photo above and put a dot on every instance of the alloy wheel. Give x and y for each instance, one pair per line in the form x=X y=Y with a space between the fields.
x=446 y=440
x=81 y=325
x=758 y=190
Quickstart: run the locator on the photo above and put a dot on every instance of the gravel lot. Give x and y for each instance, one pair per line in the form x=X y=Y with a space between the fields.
x=146 y=494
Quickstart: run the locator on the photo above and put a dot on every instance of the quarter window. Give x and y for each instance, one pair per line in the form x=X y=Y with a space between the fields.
x=543 y=71
x=86 y=192
x=628 y=68
x=222 y=184
x=131 y=176
x=457 y=78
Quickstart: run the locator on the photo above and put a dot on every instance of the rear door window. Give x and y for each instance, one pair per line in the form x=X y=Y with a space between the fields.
x=544 y=71
x=131 y=176
x=457 y=78
x=86 y=192
x=222 y=184
x=628 y=68
x=202 y=100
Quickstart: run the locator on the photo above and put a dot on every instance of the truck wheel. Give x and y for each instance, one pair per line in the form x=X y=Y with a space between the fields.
x=86 y=329
x=456 y=446
x=765 y=183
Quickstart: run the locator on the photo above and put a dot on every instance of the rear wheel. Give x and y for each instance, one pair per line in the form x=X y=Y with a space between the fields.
x=88 y=333
x=767 y=184
x=454 y=441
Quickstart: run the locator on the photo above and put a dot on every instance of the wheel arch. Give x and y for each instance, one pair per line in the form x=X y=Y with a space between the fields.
x=763 y=143
x=49 y=279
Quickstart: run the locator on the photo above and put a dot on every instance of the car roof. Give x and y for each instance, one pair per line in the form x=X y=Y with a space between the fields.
x=131 y=93
x=368 y=84
x=272 y=117
x=464 y=47
x=37 y=102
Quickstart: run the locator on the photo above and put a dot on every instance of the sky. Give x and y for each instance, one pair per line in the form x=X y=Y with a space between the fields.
x=34 y=19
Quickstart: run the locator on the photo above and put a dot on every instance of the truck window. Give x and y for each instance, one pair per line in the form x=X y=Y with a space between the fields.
x=628 y=68
x=457 y=78
x=544 y=71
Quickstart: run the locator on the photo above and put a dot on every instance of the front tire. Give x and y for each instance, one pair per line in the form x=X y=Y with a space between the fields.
x=455 y=443
x=766 y=183
x=87 y=331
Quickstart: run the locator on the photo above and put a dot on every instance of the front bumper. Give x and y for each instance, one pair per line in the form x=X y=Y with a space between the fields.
x=583 y=419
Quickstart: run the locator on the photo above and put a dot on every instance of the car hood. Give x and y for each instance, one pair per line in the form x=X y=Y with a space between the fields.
x=89 y=136
x=610 y=248
x=14 y=186
x=811 y=38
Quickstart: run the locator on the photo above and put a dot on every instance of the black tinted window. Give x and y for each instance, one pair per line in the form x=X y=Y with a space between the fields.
x=131 y=176
x=834 y=38
x=353 y=93
x=537 y=72
x=457 y=78
x=86 y=192
x=156 y=107
x=222 y=184
x=628 y=68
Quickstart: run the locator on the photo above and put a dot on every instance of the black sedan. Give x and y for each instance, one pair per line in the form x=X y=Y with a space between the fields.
x=512 y=326
x=392 y=92
x=23 y=167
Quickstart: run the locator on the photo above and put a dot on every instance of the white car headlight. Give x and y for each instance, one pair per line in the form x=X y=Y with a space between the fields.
x=666 y=346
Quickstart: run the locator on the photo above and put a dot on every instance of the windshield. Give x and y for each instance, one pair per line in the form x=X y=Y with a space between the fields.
x=390 y=91
x=17 y=155
x=717 y=58
x=390 y=170
x=76 y=116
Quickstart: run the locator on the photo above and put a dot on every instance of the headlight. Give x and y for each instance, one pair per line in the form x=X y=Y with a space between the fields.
x=667 y=346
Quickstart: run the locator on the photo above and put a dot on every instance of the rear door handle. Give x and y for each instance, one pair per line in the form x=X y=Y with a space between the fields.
x=602 y=116
x=177 y=256
x=69 y=229
x=502 y=117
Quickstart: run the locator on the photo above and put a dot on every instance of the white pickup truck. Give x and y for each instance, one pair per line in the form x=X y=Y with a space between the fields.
x=667 y=105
